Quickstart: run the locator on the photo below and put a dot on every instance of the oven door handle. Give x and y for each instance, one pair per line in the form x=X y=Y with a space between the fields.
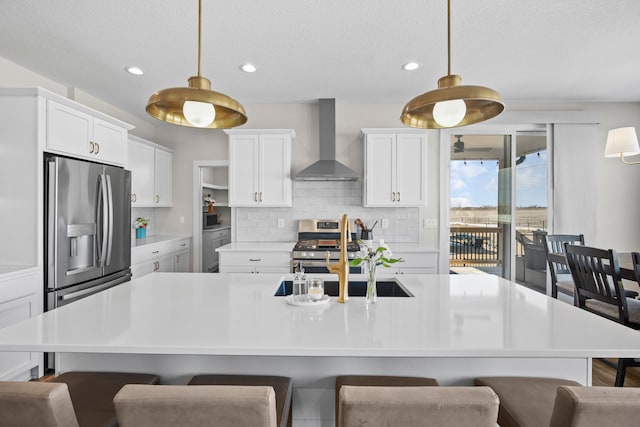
x=311 y=263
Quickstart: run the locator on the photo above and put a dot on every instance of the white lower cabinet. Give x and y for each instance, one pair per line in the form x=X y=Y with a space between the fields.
x=255 y=262
x=414 y=263
x=212 y=240
x=182 y=256
x=18 y=302
x=168 y=256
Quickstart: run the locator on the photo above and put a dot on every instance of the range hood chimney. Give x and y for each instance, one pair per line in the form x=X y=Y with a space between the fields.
x=327 y=168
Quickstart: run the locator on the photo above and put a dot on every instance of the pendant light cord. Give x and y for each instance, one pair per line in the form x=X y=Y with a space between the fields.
x=448 y=37
x=199 y=32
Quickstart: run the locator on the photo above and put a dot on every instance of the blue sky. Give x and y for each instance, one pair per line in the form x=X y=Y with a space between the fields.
x=476 y=183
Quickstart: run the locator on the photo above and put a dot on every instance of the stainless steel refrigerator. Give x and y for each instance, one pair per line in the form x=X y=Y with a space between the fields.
x=87 y=229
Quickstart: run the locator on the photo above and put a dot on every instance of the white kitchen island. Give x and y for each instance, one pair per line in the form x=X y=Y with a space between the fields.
x=454 y=328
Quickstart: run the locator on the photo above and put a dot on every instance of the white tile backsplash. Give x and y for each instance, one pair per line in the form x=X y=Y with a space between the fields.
x=326 y=200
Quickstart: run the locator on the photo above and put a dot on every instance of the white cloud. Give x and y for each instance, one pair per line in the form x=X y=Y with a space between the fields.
x=461 y=202
x=457 y=184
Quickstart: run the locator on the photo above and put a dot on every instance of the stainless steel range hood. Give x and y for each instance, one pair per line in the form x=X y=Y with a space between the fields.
x=327 y=168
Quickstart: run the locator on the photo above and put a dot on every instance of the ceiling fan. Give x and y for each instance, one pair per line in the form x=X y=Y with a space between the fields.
x=458 y=146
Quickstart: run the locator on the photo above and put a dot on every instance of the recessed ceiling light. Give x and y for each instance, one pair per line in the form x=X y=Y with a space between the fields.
x=134 y=70
x=248 y=68
x=410 y=66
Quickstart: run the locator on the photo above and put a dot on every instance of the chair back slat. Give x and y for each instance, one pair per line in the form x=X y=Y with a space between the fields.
x=596 y=274
x=554 y=244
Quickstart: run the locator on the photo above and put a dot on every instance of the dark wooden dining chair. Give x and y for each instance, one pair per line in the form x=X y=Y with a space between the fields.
x=598 y=284
x=635 y=258
x=560 y=274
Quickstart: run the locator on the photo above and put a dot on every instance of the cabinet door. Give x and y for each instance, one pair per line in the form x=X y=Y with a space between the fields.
x=142 y=268
x=380 y=170
x=164 y=264
x=17 y=365
x=182 y=261
x=110 y=142
x=274 y=181
x=68 y=130
x=163 y=178
x=411 y=170
x=243 y=170
x=142 y=175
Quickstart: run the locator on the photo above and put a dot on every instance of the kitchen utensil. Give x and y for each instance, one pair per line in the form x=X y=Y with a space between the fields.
x=373 y=226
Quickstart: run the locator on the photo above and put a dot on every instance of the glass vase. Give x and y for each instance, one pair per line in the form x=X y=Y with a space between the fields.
x=371 y=295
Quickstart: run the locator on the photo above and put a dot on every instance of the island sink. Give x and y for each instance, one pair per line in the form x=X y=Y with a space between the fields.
x=357 y=288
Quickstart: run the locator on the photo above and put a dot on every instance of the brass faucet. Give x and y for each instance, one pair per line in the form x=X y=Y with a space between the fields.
x=341 y=268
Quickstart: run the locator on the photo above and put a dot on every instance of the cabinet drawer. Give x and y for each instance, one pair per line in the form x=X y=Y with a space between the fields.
x=417 y=260
x=268 y=259
x=181 y=245
x=142 y=253
x=218 y=234
x=19 y=286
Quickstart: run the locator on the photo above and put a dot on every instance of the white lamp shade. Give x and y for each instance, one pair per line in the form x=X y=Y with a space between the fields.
x=622 y=141
x=449 y=113
x=199 y=114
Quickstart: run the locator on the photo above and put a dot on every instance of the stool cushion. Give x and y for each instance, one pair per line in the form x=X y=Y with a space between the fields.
x=35 y=404
x=596 y=407
x=524 y=401
x=185 y=406
x=281 y=385
x=417 y=406
x=380 y=381
x=92 y=394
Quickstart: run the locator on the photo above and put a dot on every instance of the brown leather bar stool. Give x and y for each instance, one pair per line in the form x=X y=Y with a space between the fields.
x=417 y=406
x=525 y=401
x=379 y=381
x=36 y=404
x=596 y=407
x=92 y=394
x=186 y=406
x=281 y=386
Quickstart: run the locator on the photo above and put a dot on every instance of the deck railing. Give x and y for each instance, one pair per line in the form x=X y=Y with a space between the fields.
x=475 y=246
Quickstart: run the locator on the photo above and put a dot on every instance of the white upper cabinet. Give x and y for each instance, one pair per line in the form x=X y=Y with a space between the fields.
x=260 y=167
x=80 y=134
x=395 y=168
x=163 y=182
x=151 y=174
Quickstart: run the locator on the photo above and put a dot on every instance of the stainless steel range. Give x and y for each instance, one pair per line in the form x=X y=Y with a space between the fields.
x=316 y=237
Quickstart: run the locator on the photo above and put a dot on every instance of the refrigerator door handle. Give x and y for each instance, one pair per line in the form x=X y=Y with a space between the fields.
x=110 y=220
x=103 y=205
x=94 y=289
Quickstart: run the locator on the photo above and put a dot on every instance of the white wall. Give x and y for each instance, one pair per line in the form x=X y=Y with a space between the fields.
x=618 y=197
x=198 y=144
x=14 y=75
x=617 y=184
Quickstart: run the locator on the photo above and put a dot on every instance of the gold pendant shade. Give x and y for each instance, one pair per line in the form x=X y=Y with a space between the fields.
x=196 y=105
x=482 y=104
x=167 y=105
x=454 y=104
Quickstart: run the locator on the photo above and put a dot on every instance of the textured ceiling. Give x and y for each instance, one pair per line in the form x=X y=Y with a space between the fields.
x=352 y=50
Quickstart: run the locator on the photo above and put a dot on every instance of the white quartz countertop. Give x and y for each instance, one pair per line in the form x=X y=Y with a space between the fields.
x=159 y=238
x=288 y=247
x=257 y=247
x=237 y=314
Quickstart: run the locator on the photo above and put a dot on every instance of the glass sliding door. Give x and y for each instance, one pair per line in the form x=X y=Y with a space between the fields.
x=497 y=203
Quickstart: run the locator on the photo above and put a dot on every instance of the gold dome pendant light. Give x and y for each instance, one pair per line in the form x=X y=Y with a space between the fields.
x=452 y=104
x=196 y=105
